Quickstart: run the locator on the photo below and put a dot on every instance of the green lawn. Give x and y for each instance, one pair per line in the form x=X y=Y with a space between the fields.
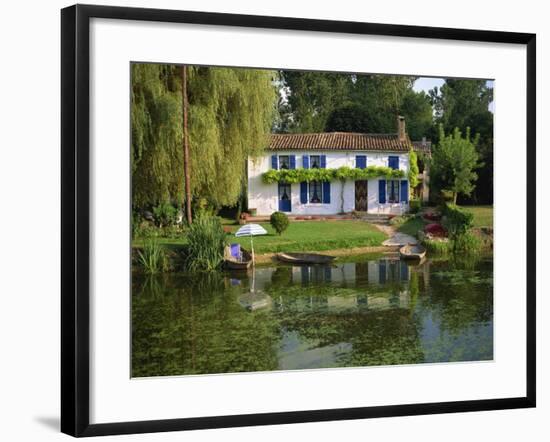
x=483 y=215
x=306 y=236
x=412 y=226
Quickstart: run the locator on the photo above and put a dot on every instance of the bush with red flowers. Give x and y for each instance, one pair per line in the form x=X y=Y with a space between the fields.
x=435 y=230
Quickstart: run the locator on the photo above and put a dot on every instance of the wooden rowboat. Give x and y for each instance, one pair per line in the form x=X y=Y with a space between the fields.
x=412 y=251
x=305 y=258
x=232 y=263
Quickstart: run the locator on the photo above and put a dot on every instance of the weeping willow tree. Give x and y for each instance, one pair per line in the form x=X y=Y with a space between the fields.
x=231 y=111
x=156 y=116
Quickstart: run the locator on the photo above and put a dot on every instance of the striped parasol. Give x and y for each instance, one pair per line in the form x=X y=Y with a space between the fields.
x=251 y=230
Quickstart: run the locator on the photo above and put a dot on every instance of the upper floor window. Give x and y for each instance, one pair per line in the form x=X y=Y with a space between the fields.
x=393 y=162
x=284 y=162
x=315 y=161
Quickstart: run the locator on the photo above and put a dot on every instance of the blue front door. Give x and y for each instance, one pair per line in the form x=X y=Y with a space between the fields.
x=284 y=197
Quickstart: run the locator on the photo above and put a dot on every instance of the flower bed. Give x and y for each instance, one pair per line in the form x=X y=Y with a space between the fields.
x=435 y=230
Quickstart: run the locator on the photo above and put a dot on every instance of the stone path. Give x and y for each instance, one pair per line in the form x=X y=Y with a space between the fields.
x=395 y=238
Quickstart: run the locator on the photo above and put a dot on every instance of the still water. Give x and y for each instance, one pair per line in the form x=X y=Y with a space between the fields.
x=369 y=311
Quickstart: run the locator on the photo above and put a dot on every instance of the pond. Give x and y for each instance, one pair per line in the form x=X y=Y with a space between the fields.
x=367 y=311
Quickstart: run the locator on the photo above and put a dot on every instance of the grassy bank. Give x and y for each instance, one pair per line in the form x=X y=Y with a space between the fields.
x=304 y=236
x=483 y=215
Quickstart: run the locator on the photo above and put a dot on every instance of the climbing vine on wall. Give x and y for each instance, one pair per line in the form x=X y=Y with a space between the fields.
x=342 y=173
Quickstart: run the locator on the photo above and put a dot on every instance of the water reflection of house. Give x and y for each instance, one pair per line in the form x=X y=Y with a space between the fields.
x=382 y=271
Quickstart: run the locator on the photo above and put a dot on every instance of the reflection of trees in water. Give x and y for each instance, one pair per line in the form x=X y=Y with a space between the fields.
x=194 y=324
x=460 y=295
x=199 y=327
x=378 y=337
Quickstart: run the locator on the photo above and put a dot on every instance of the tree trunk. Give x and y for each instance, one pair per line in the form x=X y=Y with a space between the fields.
x=455 y=195
x=186 y=146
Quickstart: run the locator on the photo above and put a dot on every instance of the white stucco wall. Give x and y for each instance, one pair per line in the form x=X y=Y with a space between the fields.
x=264 y=197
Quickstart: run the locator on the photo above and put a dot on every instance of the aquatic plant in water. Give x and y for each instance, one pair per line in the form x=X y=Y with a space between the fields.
x=152 y=257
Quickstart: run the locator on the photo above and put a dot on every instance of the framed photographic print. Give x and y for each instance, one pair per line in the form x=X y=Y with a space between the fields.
x=272 y=220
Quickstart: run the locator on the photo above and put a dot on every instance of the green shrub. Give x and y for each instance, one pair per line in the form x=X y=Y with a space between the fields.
x=136 y=221
x=279 y=222
x=467 y=243
x=205 y=244
x=446 y=196
x=146 y=230
x=165 y=214
x=457 y=221
x=397 y=220
x=437 y=247
x=153 y=258
x=414 y=206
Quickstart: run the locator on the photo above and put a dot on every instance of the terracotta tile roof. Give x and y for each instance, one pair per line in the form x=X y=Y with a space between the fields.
x=339 y=141
x=422 y=146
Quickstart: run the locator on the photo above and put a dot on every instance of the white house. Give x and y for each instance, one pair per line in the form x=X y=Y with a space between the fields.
x=332 y=150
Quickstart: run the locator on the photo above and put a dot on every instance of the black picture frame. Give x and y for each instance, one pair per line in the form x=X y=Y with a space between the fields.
x=75 y=225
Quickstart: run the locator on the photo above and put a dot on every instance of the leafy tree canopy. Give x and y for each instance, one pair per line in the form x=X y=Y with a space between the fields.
x=454 y=161
x=230 y=116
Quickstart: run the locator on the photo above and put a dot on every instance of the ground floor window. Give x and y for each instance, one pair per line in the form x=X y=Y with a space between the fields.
x=393 y=191
x=315 y=192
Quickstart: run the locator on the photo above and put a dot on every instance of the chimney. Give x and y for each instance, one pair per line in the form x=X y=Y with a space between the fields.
x=401 y=128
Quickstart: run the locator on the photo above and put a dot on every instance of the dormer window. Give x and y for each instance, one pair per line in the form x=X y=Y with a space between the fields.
x=315 y=161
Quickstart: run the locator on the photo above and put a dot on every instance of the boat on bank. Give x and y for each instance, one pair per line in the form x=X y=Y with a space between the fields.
x=237 y=259
x=412 y=251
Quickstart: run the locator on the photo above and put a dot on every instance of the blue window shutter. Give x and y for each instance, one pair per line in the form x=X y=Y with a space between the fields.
x=303 y=192
x=404 y=270
x=382 y=191
x=393 y=162
x=323 y=161
x=274 y=162
x=381 y=271
x=305 y=161
x=292 y=161
x=404 y=191
x=326 y=192
x=360 y=161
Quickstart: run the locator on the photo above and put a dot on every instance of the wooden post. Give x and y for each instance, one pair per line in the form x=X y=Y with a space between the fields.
x=186 y=146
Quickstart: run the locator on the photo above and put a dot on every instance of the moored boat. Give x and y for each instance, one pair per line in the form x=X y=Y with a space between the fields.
x=412 y=251
x=237 y=258
x=305 y=258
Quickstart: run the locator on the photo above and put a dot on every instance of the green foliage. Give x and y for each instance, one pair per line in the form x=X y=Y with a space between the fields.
x=279 y=222
x=205 y=244
x=230 y=115
x=352 y=118
x=417 y=109
x=328 y=102
x=414 y=206
x=467 y=242
x=152 y=258
x=136 y=222
x=457 y=221
x=413 y=170
x=156 y=128
x=465 y=103
x=437 y=247
x=453 y=163
x=299 y=175
x=165 y=214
